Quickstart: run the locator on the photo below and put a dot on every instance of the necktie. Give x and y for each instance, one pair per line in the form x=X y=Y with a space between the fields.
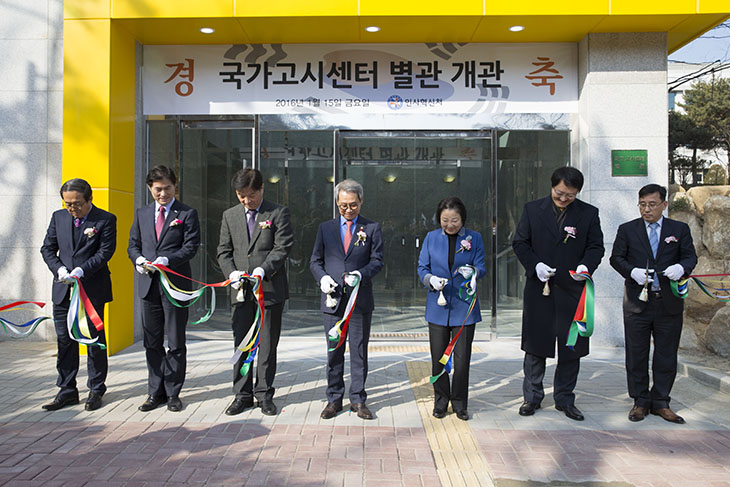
x=251 y=222
x=77 y=222
x=160 y=221
x=654 y=243
x=348 y=235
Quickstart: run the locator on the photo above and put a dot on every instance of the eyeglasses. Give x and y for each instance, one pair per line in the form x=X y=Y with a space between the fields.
x=74 y=204
x=652 y=205
x=568 y=196
x=345 y=206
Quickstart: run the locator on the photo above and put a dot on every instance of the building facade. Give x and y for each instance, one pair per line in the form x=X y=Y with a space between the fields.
x=471 y=99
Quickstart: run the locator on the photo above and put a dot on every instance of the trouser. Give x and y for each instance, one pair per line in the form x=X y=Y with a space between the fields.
x=566 y=376
x=241 y=322
x=358 y=336
x=67 y=361
x=458 y=390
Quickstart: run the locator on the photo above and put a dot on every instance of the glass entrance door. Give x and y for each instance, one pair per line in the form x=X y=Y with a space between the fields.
x=404 y=176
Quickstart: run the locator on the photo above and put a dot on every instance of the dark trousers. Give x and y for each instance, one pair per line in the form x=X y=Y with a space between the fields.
x=242 y=320
x=639 y=328
x=67 y=361
x=358 y=337
x=165 y=370
x=566 y=376
x=458 y=391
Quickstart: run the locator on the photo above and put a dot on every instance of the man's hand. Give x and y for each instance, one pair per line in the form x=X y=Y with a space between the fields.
x=161 y=261
x=235 y=278
x=544 y=272
x=350 y=279
x=327 y=284
x=258 y=272
x=674 y=272
x=581 y=268
x=77 y=272
x=639 y=275
x=139 y=265
x=64 y=276
x=437 y=283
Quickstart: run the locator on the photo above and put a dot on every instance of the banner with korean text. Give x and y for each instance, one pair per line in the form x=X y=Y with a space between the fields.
x=360 y=78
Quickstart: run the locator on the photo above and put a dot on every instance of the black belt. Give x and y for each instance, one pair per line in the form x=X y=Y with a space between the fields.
x=655 y=294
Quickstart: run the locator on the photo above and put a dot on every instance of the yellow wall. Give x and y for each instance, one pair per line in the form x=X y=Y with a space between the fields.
x=99 y=66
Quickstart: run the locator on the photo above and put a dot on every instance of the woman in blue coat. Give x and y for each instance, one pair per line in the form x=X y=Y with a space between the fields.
x=450 y=256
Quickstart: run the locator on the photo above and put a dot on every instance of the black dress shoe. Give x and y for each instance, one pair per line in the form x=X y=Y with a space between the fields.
x=439 y=413
x=462 y=414
x=151 y=403
x=59 y=402
x=268 y=407
x=362 y=410
x=174 y=404
x=571 y=411
x=93 y=402
x=528 y=408
x=239 y=405
x=330 y=410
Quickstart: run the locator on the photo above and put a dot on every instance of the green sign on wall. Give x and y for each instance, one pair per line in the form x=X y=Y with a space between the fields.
x=629 y=162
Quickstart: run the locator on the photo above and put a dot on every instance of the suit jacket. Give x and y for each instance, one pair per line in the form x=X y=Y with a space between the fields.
x=538 y=239
x=268 y=248
x=178 y=242
x=328 y=258
x=631 y=249
x=434 y=261
x=91 y=253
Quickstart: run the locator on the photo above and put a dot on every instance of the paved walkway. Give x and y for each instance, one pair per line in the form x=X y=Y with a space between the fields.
x=404 y=446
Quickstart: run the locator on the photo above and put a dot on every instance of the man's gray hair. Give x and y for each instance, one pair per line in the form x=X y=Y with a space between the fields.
x=349 y=186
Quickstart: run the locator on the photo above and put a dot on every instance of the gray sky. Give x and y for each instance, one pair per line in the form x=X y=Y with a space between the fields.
x=712 y=46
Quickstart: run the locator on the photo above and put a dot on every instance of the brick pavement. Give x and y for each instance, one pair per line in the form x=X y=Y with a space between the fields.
x=403 y=446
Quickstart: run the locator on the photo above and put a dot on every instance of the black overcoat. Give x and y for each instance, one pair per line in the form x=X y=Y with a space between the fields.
x=538 y=239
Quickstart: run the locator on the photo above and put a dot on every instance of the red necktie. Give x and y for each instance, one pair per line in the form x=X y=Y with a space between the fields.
x=160 y=221
x=348 y=235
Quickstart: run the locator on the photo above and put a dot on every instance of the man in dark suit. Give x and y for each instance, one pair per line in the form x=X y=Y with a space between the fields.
x=555 y=234
x=255 y=239
x=663 y=249
x=81 y=238
x=164 y=232
x=350 y=245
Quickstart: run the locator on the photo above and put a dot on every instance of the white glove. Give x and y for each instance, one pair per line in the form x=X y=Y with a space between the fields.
x=544 y=272
x=235 y=278
x=350 y=279
x=639 y=275
x=327 y=284
x=674 y=272
x=139 y=264
x=466 y=271
x=77 y=272
x=258 y=272
x=437 y=283
x=578 y=276
x=64 y=276
x=161 y=261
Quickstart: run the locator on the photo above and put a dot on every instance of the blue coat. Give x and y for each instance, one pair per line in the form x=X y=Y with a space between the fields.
x=434 y=261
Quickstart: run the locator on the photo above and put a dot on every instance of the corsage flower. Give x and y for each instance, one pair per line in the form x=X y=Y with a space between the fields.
x=176 y=222
x=465 y=245
x=569 y=233
x=670 y=239
x=361 y=237
x=266 y=224
x=90 y=232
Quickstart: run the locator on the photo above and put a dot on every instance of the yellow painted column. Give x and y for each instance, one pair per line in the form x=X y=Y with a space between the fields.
x=98 y=143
